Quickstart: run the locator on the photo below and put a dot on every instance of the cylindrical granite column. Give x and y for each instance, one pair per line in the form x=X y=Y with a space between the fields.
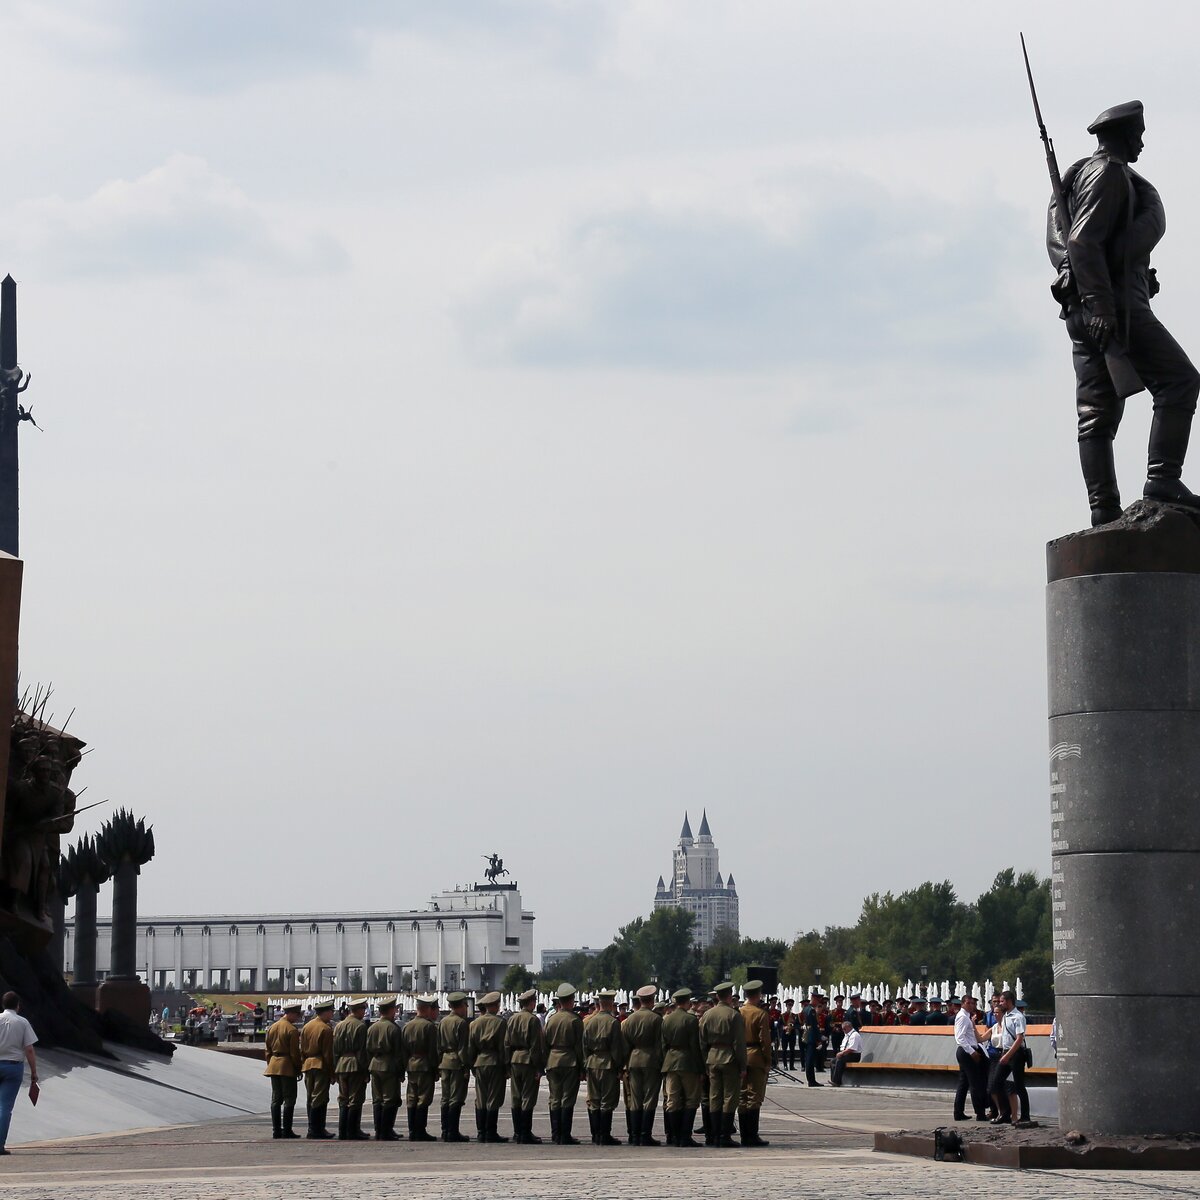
x=1123 y=631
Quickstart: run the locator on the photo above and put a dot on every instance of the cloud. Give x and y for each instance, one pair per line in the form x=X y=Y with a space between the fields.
x=226 y=45
x=178 y=217
x=833 y=270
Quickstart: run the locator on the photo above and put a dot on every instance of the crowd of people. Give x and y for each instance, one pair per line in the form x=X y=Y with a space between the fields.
x=705 y=1055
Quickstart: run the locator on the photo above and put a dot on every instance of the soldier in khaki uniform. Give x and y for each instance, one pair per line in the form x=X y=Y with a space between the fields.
x=525 y=1054
x=453 y=1033
x=423 y=1055
x=723 y=1041
x=316 y=1049
x=351 y=1067
x=283 y=1069
x=604 y=1048
x=485 y=1056
x=683 y=1067
x=564 y=1065
x=642 y=1031
x=758 y=1062
x=385 y=1048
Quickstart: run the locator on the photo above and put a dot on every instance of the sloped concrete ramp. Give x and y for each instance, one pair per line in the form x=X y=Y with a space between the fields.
x=82 y=1095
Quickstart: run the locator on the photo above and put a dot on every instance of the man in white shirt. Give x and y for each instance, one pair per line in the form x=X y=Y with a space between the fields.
x=972 y=1063
x=1008 y=1073
x=17 y=1040
x=851 y=1051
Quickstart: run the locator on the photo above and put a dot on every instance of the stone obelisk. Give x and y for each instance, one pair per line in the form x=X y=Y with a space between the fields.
x=1123 y=632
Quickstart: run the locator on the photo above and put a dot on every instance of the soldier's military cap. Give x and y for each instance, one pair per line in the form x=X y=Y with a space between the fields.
x=682 y=994
x=1131 y=110
x=660 y=1009
x=752 y=985
x=935 y=999
x=296 y=1006
x=529 y=995
x=647 y=993
x=457 y=998
x=722 y=988
x=385 y=1002
x=606 y=994
x=324 y=1006
x=427 y=999
x=490 y=998
x=565 y=991
x=356 y=1004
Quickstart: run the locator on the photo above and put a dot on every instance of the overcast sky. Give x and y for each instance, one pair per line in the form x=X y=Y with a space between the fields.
x=503 y=426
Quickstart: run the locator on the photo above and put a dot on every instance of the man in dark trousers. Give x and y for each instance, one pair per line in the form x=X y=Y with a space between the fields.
x=972 y=1063
x=812 y=1038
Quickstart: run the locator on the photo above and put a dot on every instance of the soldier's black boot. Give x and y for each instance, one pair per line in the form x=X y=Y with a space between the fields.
x=725 y=1119
x=710 y=1127
x=555 y=1124
x=606 y=1137
x=670 y=1125
x=518 y=1135
x=423 y=1134
x=480 y=1124
x=687 y=1120
x=594 y=1126
x=288 y=1115
x=389 y=1133
x=749 y=1119
x=276 y=1121
x=565 y=1118
x=1169 y=434
x=377 y=1115
x=531 y=1138
x=494 y=1134
x=648 y=1138
x=445 y=1122
x=343 y=1123
x=317 y=1131
x=355 y=1126
x=631 y=1128
x=456 y=1133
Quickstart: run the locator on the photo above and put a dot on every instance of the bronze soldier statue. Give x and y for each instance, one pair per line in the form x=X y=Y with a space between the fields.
x=1114 y=220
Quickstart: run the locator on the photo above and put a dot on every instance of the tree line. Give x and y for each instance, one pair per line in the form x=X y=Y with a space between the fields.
x=1004 y=933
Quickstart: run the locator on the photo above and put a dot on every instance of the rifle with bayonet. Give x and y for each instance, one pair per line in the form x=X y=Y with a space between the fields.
x=1125 y=379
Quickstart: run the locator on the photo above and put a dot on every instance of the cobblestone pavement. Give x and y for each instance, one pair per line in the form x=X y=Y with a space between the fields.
x=821 y=1147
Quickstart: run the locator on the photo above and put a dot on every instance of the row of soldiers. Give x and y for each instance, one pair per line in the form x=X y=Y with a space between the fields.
x=715 y=1063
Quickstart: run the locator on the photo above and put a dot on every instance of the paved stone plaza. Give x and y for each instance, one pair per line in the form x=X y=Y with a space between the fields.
x=821 y=1148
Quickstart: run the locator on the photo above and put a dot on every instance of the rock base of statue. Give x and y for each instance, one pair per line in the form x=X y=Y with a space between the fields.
x=129 y=997
x=1123 y=638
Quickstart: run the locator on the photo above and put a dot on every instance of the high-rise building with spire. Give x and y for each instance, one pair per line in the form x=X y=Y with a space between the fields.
x=696 y=885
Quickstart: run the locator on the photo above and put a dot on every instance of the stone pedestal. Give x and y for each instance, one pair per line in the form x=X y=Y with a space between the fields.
x=1123 y=632
x=127 y=996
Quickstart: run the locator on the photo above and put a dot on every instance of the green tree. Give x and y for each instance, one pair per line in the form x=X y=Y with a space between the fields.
x=517 y=979
x=664 y=944
x=763 y=952
x=1035 y=969
x=798 y=968
x=1014 y=916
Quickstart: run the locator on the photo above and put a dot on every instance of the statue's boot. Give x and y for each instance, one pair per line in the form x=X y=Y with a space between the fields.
x=1100 y=476
x=1169 y=434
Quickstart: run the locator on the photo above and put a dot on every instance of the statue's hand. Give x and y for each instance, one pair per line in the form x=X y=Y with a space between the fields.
x=1100 y=330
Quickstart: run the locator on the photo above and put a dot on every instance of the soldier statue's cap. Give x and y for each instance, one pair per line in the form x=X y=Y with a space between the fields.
x=294 y=1006
x=529 y=995
x=1131 y=110
x=490 y=998
x=646 y=993
x=606 y=994
x=385 y=1002
x=682 y=994
x=457 y=998
x=722 y=988
x=324 y=1006
x=752 y=985
x=565 y=991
